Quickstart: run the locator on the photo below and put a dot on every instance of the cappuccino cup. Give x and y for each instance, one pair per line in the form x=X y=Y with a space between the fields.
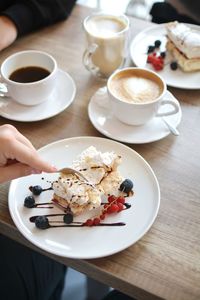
x=137 y=95
x=106 y=38
x=28 y=77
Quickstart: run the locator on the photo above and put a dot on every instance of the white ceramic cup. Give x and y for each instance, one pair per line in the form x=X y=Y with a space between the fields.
x=107 y=43
x=132 y=113
x=31 y=93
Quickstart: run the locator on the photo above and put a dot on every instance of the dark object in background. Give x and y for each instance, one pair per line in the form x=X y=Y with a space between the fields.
x=162 y=12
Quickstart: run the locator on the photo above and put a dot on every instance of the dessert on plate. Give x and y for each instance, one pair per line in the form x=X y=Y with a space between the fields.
x=103 y=178
x=184 y=45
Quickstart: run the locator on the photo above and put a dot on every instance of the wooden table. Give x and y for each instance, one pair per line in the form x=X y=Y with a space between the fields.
x=165 y=263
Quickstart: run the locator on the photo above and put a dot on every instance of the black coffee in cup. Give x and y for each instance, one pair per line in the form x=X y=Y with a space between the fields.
x=29 y=74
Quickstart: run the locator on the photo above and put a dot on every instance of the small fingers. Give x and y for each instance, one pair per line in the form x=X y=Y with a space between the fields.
x=31 y=158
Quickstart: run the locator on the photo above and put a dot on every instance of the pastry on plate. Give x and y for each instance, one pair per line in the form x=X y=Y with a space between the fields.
x=184 y=45
x=103 y=178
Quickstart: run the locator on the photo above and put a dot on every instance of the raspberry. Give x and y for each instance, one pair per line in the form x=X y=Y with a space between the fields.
x=121 y=200
x=96 y=221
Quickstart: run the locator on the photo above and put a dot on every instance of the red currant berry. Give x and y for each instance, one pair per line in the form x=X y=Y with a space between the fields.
x=96 y=221
x=114 y=208
x=121 y=200
x=102 y=217
x=105 y=205
x=89 y=222
x=120 y=206
x=111 y=198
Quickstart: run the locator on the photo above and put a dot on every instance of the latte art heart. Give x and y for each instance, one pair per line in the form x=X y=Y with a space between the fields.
x=135 y=89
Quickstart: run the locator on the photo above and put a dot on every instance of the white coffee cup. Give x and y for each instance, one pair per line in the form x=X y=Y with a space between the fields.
x=136 y=95
x=29 y=93
x=107 y=38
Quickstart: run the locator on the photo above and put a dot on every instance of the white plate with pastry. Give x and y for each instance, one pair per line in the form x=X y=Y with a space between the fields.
x=85 y=242
x=176 y=78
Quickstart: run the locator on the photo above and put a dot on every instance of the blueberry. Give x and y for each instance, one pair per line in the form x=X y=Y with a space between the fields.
x=174 y=65
x=163 y=54
x=42 y=222
x=68 y=218
x=126 y=186
x=29 y=202
x=150 y=49
x=157 y=43
x=36 y=190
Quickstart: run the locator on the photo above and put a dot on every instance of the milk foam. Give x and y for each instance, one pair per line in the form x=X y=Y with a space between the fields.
x=104 y=26
x=135 y=89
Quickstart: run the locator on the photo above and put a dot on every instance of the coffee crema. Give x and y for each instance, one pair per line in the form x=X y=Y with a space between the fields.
x=134 y=87
x=29 y=74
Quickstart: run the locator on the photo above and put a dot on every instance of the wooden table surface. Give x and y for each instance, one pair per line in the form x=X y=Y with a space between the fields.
x=165 y=263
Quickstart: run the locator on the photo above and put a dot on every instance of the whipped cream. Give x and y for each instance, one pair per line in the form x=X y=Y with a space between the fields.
x=185 y=39
x=95 y=165
x=100 y=169
x=75 y=191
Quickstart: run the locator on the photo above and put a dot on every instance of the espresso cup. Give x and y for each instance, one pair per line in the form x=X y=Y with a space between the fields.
x=28 y=76
x=106 y=38
x=137 y=95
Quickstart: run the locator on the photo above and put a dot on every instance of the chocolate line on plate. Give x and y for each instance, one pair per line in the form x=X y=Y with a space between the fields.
x=43 y=190
x=73 y=224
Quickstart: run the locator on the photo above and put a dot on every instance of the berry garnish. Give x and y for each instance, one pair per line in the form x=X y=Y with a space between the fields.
x=36 y=190
x=157 y=43
x=89 y=222
x=174 y=65
x=120 y=200
x=150 y=49
x=126 y=186
x=29 y=202
x=113 y=208
x=120 y=206
x=42 y=222
x=68 y=218
x=163 y=54
x=96 y=221
x=111 y=198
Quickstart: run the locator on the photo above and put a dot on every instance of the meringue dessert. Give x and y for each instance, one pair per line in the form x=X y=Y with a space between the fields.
x=184 y=45
x=103 y=178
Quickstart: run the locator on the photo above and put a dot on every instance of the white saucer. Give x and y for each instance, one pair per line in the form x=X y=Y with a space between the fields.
x=106 y=123
x=60 y=99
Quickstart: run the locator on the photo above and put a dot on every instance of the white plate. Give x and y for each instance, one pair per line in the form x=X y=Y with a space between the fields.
x=88 y=242
x=138 y=50
x=105 y=122
x=61 y=97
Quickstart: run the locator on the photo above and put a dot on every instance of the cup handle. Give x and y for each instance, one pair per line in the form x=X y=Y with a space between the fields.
x=170 y=112
x=87 y=59
x=3 y=89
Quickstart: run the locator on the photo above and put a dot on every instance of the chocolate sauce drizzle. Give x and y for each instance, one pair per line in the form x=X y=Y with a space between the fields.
x=65 y=209
x=73 y=224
